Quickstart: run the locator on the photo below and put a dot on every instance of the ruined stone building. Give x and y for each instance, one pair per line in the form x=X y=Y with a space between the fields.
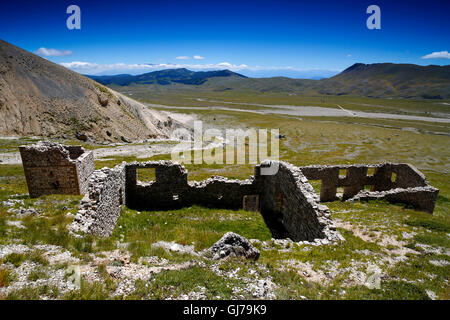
x=51 y=168
x=397 y=183
x=285 y=199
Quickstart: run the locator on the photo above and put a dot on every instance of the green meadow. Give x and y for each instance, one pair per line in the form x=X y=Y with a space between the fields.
x=410 y=248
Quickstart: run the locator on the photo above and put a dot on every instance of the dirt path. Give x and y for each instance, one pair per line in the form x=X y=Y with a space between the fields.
x=310 y=111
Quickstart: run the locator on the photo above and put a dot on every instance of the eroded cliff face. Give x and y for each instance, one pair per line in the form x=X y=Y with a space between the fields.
x=40 y=98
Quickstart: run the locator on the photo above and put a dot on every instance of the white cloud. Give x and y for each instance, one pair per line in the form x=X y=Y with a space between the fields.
x=78 y=65
x=94 y=68
x=52 y=52
x=196 y=57
x=437 y=55
x=349 y=55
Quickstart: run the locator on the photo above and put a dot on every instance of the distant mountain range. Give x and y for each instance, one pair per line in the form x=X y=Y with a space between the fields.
x=166 y=77
x=380 y=80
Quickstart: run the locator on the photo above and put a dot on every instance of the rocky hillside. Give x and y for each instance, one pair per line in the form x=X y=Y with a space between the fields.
x=41 y=98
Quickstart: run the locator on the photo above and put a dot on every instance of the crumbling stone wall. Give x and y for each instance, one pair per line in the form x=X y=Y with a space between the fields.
x=393 y=182
x=288 y=203
x=420 y=198
x=101 y=206
x=51 y=168
x=172 y=190
x=291 y=208
x=286 y=200
x=168 y=191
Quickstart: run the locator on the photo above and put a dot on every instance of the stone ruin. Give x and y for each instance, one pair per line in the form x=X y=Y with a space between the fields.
x=286 y=200
x=51 y=168
x=397 y=183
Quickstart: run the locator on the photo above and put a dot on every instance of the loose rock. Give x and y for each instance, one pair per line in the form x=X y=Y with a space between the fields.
x=233 y=245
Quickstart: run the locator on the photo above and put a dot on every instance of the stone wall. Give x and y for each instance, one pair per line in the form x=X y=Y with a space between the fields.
x=172 y=190
x=101 y=206
x=420 y=198
x=291 y=208
x=167 y=192
x=391 y=181
x=51 y=168
x=287 y=201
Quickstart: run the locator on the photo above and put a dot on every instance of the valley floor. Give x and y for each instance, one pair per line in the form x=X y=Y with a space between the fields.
x=154 y=255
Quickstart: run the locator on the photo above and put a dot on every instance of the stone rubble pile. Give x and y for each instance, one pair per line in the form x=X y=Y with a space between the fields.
x=233 y=245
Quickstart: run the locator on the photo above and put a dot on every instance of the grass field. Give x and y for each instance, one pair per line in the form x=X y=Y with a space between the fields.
x=250 y=99
x=410 y=249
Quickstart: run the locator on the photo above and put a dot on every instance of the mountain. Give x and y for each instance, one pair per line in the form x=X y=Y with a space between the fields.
x=390 y=80
x=41 y=98
x=381 y=80
x=166 y=77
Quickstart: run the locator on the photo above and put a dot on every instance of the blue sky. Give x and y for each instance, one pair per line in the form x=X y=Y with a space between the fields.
x=256 y=38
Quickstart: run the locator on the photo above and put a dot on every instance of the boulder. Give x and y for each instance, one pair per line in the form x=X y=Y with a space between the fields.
x=124 y=139
x=103 y=100
x=81 y=136
x=233 y=245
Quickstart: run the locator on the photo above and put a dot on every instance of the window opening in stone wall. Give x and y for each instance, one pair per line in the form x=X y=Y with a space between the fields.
x=340 y=192
x=146 y=174
x=394 y=177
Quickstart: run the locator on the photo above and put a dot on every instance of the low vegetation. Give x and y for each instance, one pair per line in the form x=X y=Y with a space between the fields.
x=406 y=250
